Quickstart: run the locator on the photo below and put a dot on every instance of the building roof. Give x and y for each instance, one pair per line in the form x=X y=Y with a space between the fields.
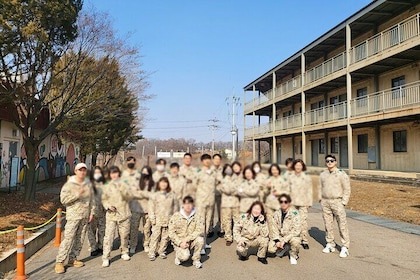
x=365 y=19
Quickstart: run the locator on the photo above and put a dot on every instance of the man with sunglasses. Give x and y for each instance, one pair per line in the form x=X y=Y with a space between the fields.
x=334 y=194
x=285 y=229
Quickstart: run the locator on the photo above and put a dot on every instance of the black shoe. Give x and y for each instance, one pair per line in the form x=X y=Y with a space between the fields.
x=305 y=246
x=220 y=234
x=263 y=260
x=94 y=253
x=100 y=251
x=283 y=251
x=242 y=258
x=210 y=234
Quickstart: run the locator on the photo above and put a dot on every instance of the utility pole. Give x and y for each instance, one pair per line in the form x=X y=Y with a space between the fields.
x=234 y=100
x=213 y=127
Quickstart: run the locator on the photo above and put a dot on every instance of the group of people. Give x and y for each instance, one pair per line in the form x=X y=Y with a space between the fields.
x=256 y=210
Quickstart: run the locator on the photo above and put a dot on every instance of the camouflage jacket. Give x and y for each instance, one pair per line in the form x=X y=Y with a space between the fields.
x=117 y=194
x=301 y=189
x=78 y=206
x=290 y=228
x=182 y=226
x=229 y=193
x=178 y=186
x=248 y=193
x=206 y=187
x=334 y=185
x=247 y=229
x=162 y=205
x=277 y=186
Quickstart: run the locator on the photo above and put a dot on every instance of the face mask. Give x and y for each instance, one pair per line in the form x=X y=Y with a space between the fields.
x=144 y=173
x=160 y=167
x=131 y=165
x=257 y=169
x=97 y=177
x=228 y=172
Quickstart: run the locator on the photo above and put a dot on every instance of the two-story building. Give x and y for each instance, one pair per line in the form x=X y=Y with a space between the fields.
x=354 y=92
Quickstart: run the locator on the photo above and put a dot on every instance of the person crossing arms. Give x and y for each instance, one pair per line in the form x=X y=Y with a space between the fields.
x=276 y=185
x=248 y=190
x=189 y=172
x=334 y=194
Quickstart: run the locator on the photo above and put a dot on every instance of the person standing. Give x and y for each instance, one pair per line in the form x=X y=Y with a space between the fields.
x=206 y=187
x=178 y=183
x=237 y=177
x=276 y=185
x=301 y=194
x=334 y=194
x=285 y=230
x=251 y=231
x=230 y=203
x=188 y=172
x=77 y=196
x=185 y=232
x=115 y=199
x=96 y=228
x=160 y=170
x=248 y=190
x=289 y=170
x=217 y=168
x=260 y=179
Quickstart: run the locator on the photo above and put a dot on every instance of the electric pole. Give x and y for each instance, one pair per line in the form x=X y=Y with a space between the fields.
x=234 y=100
x=213 y=127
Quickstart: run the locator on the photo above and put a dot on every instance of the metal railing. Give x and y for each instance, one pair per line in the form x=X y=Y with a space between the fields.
x=395 y=98
x=289 y=122
x=394 y=35
x=329 y=113
x=326 y=68
x=289 y=85
x=265 y=97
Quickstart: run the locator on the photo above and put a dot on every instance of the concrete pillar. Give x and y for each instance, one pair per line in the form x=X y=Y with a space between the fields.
x=349 y=97
x=303 y=102
x=273 y=124
x=378 y=146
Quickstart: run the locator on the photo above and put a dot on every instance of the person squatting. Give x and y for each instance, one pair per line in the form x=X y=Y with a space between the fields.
x=268 y=213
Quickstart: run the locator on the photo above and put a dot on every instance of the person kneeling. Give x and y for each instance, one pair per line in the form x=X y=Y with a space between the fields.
x=252 y=231
x=285 y=230
x=186 y=233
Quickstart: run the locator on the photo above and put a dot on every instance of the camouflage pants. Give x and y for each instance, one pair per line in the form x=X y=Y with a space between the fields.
x=134 y=229
x=123 y=230
x=160 y=237
x=206 y=212
x=260 y=242
x=334 y=208
x=74 y=235
x=303 y=212
x=294 y=247
x=218 y=204
x=190 y=190
x=147 y=229
x=184 y=254
x=96 y=233
x=229 y=214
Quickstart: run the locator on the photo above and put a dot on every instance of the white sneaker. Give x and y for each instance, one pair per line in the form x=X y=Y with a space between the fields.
x=344 y=252
x=207 y=246
x=293 y=260
x=132 y=250
x=125 y=257
x=177 y=261
x=105 y=263
x=146 y=249
x=162 y=256
x=203 y=252
x=198 y=264
x=328 y=249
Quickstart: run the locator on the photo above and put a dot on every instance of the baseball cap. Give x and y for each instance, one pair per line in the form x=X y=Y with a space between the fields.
x=79 y=166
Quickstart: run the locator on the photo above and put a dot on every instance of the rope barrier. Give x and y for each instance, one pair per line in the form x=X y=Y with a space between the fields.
x=32 y=228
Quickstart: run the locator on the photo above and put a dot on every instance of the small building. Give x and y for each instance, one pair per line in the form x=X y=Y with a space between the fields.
x=353 y=92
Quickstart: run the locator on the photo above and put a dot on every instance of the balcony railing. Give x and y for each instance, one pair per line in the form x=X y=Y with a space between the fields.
x=395 y=98
x=326 y=68
x=326 y=114
x=289 y=85
x=289 y=122
x=265 y=97
x=388 y=38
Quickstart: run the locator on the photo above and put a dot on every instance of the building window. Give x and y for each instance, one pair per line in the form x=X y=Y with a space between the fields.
x=321 y=144
x=400 y=141
x=397 y=85
x=300 y=147
x=362 y=143
x=286 y=114
x=361 y=97
x=334 y=145
x=333 y=100
x=14 y=133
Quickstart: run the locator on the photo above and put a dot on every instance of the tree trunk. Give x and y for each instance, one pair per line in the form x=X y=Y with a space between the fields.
x=94 y=157
x=30 y=184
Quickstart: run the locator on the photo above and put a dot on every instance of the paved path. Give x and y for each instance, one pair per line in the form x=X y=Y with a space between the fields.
x=376 y=253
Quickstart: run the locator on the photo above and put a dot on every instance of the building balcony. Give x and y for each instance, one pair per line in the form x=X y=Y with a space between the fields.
x=331 y=113
x=289 y=122
x=391 y=100
x=326 y=68
x=387 y=39
x=263 y=100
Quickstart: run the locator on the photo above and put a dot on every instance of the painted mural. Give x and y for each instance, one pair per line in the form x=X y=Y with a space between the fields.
x=54 y=159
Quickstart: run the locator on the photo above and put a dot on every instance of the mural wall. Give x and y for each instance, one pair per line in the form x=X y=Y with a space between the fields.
x=55 y=159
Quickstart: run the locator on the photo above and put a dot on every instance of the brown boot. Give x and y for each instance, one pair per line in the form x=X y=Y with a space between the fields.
x=59 y=268
x=76 y=263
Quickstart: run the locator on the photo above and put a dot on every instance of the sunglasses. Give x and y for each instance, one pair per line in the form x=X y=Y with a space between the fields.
x=284 y=201
x=330 y=160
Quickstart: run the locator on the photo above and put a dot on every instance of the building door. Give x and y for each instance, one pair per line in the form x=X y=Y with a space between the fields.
x=344 y=159
x=314 y=152
x=14 y=164
x=278 y=152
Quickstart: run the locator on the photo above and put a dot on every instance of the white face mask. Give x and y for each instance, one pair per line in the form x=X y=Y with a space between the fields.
x=160 y=167
x=97 y=176
x=257 y=169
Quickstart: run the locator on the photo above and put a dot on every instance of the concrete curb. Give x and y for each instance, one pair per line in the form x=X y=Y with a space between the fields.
x=32 y=245
x=383 y=222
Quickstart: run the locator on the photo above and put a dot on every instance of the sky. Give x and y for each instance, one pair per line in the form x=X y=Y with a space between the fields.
x=198 y=53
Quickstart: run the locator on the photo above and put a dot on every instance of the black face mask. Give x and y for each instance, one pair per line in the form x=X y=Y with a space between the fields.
x=131 y=165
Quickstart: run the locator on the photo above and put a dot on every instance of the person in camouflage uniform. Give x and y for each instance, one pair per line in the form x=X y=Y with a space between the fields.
x=217 y=168
x=260 y=179
x=178 y=183
x=248 y=190
x=285 y=229
x=252 y=231
x=162 y=205
x=160 y=170
x=301 y=194
x=186 y=233
x=289 y=170
x=237 y=177
x=189 y=172
x=276 y=185
x=334 y=194
x=77 y=196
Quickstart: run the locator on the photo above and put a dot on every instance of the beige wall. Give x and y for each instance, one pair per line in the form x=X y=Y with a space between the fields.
x=360 y=160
